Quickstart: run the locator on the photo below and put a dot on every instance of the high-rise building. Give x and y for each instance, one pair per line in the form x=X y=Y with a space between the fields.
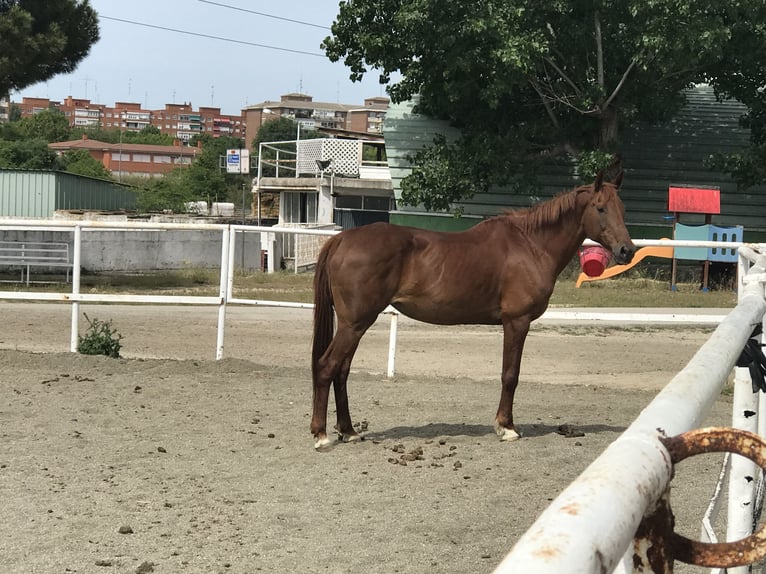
x=181 y=121
x=365 y=119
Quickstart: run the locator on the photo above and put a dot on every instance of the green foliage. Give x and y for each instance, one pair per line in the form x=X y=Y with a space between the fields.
x=527 y=80
x=149 y=135
x=99 y=339
x=27 y=154
x=81 y=162
x=276 y=130
x=50 y=125
x=169 y=192
x=591 y=162
x=40 y=39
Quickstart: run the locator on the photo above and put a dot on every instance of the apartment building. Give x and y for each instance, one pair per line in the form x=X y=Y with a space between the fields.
x=181 y=121
x=365 y=119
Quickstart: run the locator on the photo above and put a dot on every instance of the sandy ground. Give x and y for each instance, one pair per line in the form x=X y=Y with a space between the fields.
x=168 y=461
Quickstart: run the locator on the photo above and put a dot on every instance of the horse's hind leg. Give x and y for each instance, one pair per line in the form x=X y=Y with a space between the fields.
x=344 y=425
x=334 y=366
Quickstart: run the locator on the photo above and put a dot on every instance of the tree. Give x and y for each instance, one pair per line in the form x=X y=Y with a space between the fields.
x=526 y=80
x=81 y=162
x=167 y=192
x=149 y=135
x=42 y=38
x=50 y=125
x=27 y=154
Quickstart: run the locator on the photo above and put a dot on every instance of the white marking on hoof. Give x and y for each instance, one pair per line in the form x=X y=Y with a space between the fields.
x=323 y=444
x=506 y=434
x=351 y=437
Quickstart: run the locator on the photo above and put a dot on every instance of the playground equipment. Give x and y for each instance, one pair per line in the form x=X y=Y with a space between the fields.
x=644 y=252
x=681 y=200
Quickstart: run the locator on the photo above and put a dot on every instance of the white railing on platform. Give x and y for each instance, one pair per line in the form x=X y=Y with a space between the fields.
x=590 y=526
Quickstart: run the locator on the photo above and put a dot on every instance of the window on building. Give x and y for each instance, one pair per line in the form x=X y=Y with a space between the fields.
x=300 y=207
x=117 y=156
x=162 y=159
x=182 y=160
x=348 y=202
x=142 y=157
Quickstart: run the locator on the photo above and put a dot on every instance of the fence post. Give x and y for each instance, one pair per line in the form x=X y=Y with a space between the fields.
x=77 y=258
x=392 y=344
x=227 y=255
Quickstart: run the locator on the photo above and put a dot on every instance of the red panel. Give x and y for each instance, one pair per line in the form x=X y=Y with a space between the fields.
x=694 y=200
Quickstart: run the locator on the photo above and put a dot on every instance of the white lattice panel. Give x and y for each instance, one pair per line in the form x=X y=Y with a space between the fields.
x=345 y=155
x=307 y=249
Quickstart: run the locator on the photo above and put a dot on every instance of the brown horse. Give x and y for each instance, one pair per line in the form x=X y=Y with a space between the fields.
x=501 y=271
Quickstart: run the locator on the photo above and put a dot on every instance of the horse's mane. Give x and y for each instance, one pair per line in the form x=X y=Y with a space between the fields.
x=545 y=212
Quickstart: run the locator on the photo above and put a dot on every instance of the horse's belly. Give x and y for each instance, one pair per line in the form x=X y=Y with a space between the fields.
x=456 y=313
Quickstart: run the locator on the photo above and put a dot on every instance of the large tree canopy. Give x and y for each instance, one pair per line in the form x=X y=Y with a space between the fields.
x=524 y=79
x=42 y=38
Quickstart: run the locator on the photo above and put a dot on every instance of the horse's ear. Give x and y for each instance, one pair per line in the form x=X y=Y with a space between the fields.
x=599 y=181
x=618 y=179
x=613 y=173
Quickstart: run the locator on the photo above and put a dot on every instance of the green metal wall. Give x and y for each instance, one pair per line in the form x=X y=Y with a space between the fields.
x=655 y=157
x=27 y=193
x=38 y=194
x=76 y=192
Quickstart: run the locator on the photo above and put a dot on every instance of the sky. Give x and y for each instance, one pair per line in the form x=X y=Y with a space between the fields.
x=274 y=51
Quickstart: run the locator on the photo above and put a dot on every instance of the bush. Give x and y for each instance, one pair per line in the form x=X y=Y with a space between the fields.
x=100 y=339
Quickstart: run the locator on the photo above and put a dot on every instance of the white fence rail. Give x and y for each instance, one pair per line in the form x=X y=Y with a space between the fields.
x=227 y=266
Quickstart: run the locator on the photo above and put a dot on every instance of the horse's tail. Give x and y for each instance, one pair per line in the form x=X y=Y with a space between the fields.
x=324 y=318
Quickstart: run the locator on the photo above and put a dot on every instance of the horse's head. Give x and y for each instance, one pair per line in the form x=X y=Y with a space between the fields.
x=603 y=218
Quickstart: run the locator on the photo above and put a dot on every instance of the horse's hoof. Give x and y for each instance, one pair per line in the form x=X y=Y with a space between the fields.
x=323 y=444
x=351 y=437
x=507 y=435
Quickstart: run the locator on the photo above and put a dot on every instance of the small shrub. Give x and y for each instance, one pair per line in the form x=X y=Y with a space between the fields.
x=100 y=339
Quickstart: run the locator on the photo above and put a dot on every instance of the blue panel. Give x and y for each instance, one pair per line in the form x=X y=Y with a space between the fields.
x=691 y=233
x=724 y=234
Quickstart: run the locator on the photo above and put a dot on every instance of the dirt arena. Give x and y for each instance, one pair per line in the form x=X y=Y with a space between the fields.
x=167 y=461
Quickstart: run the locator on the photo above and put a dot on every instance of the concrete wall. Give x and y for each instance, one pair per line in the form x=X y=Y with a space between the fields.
x=149 y=250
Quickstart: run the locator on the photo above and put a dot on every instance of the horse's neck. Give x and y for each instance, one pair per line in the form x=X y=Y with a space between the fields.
x=560 y=239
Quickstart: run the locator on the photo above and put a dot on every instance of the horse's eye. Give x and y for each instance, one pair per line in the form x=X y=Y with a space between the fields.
x=601 y=209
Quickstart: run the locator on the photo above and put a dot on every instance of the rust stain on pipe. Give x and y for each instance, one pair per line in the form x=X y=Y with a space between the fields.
x=722 y=554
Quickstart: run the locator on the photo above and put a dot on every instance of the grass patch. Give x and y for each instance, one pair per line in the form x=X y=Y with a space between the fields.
x=639 y=292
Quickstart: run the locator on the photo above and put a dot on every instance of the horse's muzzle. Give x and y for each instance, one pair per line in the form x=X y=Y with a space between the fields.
x=624 y=253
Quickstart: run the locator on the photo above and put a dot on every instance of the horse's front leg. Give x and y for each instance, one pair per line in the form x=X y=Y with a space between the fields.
x=514 y=334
